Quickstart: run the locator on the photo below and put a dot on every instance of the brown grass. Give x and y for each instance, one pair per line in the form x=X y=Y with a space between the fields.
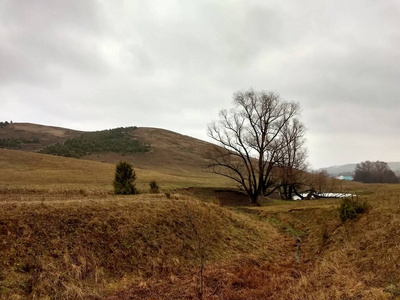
x=64 y=235
x=170 y=153
x=83 y=248
x=33 y=171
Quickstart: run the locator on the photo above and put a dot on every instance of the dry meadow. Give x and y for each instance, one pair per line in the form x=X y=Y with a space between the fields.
x=64 y=235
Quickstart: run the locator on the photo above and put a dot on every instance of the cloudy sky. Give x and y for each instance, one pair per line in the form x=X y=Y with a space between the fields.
x=93 y=65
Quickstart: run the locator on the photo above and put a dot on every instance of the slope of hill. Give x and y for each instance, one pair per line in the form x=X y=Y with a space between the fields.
x=32 y=137
x=169 y=151
x=117 y=140
x=47 y=173
x=153 y=148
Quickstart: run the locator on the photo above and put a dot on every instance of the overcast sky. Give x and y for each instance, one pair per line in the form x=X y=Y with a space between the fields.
x=93 y=65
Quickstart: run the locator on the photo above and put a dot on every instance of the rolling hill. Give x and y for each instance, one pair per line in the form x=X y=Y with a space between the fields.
x=32 y=137
x=152 y=148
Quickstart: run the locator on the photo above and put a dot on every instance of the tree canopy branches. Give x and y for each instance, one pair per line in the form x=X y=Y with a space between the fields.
x=260 y=134
x=374 y=172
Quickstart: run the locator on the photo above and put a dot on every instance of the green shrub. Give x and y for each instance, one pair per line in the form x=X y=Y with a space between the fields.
x=350 y=208
x=154 y=188
x=124 y=182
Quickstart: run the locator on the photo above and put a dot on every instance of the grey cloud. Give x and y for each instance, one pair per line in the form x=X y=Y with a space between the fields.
x=39 y=37
x=175 y=64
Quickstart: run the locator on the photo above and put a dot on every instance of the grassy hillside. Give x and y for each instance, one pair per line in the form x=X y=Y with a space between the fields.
x=145 y=148
x=40 y=172
x=32 y=137
x=169 y=151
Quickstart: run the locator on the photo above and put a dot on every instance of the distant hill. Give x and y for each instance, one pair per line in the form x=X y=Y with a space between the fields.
x=146 y=148
x=349 y=169
x=168 y=151
x=32 y=137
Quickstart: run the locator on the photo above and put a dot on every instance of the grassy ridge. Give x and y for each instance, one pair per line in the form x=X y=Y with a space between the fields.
x=84 y=248
x=116 y=140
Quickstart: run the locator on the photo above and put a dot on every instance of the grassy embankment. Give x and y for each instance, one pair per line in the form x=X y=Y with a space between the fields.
x=64 y=235
x=83 y=248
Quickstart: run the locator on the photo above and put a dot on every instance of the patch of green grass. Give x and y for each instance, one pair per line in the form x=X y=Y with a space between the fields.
x=255 y=215
x=287 y=227
x=351 y=208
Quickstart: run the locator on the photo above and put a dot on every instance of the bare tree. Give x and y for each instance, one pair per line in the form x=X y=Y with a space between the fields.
x=321 y=182
x=252 y=140
x=292 y=166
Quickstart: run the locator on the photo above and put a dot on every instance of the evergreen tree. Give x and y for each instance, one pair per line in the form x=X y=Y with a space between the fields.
x=124 y=182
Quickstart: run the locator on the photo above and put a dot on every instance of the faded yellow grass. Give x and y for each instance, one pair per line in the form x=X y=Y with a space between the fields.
x=359 y=259
x=33 y=171
x=68 y=236
x=81 y=248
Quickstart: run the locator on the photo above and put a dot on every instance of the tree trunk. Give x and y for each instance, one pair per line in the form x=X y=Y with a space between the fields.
x=256 y=199
x=289 y=196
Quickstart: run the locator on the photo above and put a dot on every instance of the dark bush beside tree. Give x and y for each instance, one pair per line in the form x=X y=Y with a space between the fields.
x=124 y=182
x=154 y=188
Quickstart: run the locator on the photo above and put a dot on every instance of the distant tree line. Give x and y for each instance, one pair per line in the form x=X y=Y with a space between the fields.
x=374 y=172
x=4 y=124
x=116 y=140
x=16 y=143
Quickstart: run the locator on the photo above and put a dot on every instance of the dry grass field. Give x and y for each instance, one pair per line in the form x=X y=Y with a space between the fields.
x=39 y=172
x=64 y=235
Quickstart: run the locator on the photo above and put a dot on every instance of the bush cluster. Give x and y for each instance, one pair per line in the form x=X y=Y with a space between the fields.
x=350 y=208
x=154 y=188
x=113 y=140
